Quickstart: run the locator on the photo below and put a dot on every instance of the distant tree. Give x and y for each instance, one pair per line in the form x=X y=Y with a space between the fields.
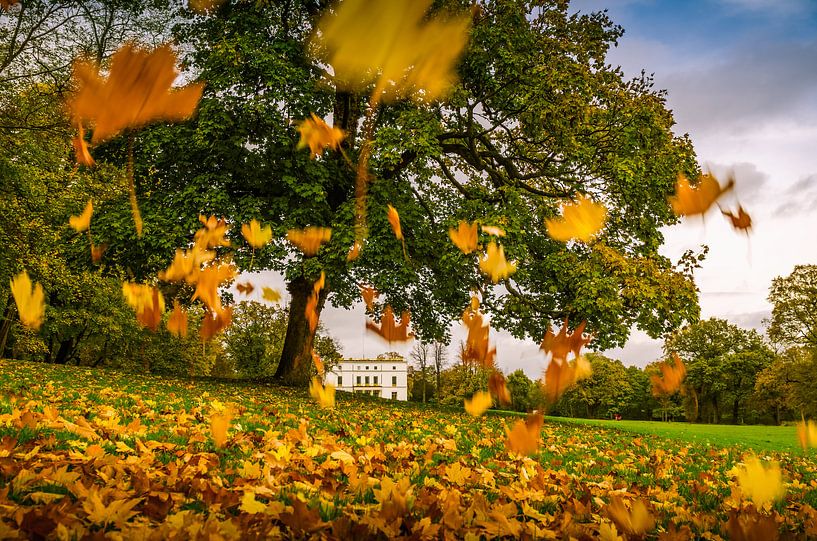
x=604 y=393
x=786 y=386
x=521 y=390
x=439 y=354
x=794 y=308
x=460 y=382
x=420 y=355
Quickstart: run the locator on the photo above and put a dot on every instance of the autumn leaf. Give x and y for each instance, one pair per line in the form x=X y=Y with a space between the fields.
x=581 y=220
x=250 y=505
x=499 y=388
x=464 y=236
x=309 y=240
x=672 y=374
x=807 y=433
x=30 y=300
x=477 y=348
x=478 y=403
x=212 y=235
x=689 y=200
x=493 y=230
x=177 y=322
x=97 y=251
x=270 y=294
x=186 y=266
x=761 y=484
x=323 y=395
x=523 y=438
x=83 y=221
x=394 y=221
x=494 y=264
x=354 y=251
x=256 y=235
x=81 y=152
x=209 y=280
x=636 y=520
x=115 y=512
x=318 y=136
x=6 y=4
x=147 y=301
x=219 y=424
x=316 y=360
x=215 y=321
x=204 y=6
x=559 y=345
x=395 y=45
x=740 y=221
x=246 y=288
x=369 y=294
x=136 y=92
x=388 y=329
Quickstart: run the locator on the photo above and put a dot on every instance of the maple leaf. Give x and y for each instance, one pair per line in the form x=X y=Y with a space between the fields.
x=318 y=135
x=523 y=438
x=83 y=221
x=807 y=433
x=673 y=375
x=116 y=512
x=689 y=200
x=323 y=395
x=499 y=388
x=209 y=280
x=212 y=234
x=394 y=221
x=741 y=220
x=147 y=301
x=177 y=322
x=608 y=532
x=494 y=264
x=30 y=300
x=559 y=345
x=493 y=230
x=477 y=348
x=311 y=310
x=354 y=251
x=250 y=505
x=464 y=236
x=388 y=329
x=81 y=152
x=271 y=295
x=97 y=251
x=580 y=220
x=761 y=484
x=219 y=424
x=478 y=403
x=395 y=46
x=136 y=92
x=309 y=239
x=246 y=288
x=634 y=521
x=6 y=4
x=185 y=265
x=256 y=235
x=369 y=294
x=215 y=321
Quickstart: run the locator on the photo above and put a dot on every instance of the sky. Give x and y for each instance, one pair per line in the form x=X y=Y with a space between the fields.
x=741 y=80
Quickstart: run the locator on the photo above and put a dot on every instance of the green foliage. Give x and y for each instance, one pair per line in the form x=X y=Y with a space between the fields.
x=794 y=303
x=526 y=395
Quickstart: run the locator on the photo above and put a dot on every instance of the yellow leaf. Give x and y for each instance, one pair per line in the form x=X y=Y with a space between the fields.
x=478 y=404
x=250 y=505
x=343 y=456
x=608 y=532
x=323 y=395
x=209 y=280
x=395 y=45
x=177 y=323
x=81 y=153
x=212 y=234
x=689 y=200
x=394 y=221
x=147 y=301
x=30 y=300
x=759 y=483
x=116 y=512
x=83 y=221
x=580 y=220
x=271 y=295
x=256 y=235
x=219 y=424
x=523 y=438
x=494 y=264
x=493 y=230
x=807 y=434
x=464 y=236
x=673 y=375
x=136 y=92
x=318 y=135
x=309 y=240
x=634 y=521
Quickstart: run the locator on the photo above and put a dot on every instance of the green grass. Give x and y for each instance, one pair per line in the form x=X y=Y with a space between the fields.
x=757 y=437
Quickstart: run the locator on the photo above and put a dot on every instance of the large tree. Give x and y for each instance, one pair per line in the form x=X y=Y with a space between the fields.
x=538 y=117
x=794 y=308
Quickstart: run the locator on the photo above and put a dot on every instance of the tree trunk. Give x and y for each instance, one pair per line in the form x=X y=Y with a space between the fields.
x=8 y=314
x=735 y=411
x=294 y=368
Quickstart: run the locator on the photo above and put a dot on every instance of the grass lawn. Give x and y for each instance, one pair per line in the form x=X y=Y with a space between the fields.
x=760 y=438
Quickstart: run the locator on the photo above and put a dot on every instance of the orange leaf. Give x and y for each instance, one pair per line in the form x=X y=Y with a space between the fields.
x=311 y=311
x=389 y=330
x=494 y=264
x=256 y=235
x=309 y=240
x=580 y=220
x=499 y=388
x=215 y=322
x=689 y=200
x=634 y=521
x=83 y=221
x=740 y=221
x=147 y=301
x=477 y=348
x=209 y=280
x=478 y=403
x=673 y=375
x=97 y=251
x=316 y=359
x=212 y=234
x=136 y=92
x=30 y=300
x=177 y=323
x=464 y=236
x=559 y=345
x=523 y=438
x=369 y=294
x=323 y=395
x=245 y=289
x=394 y=221
x=81 y=153
x=807 y=434
x=219 y=424
x=318 y=135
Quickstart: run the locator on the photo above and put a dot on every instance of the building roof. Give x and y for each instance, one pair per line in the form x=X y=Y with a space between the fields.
x=388 y=360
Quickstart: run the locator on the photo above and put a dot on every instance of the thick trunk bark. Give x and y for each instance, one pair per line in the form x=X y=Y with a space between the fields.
x=295 y=366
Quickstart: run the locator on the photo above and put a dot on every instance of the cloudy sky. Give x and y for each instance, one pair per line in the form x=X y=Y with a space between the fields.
x=741 y=77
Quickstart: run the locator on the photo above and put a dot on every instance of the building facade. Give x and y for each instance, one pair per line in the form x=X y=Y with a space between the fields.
x=386 y=378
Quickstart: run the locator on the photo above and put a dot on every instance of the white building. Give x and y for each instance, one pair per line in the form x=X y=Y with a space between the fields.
x=386 y=378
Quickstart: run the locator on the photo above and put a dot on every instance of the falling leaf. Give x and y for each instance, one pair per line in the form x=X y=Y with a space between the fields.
x=580 y=220
x=559 y=345
x=673 y=375
x=369 y=294
x=246 y=288
x=523 y=438
x=309 y=240
x=81 y=153
x=6 y=4
x=316 y=360
x=394 y=221
x=83 y=221
x=318 y=136
x=741 y=221
x=494 y=263
x=136 y=92
x=147 y=301
x=354 y=251
x=478 y=403
x=464 y=236
x=219 y=424
x=215 y=321
x=209 y=280
x=97 y=251
x=311 y=310
x=323 y=395
x=689 y=200
x=186 y=265
x=271 y=295
x=634 y=521
x=807 y=434
x=759 y=483
x=212 y=235
x=396 y=46
x=256 y=235
x=493 y=230
x=389 y=330
x=477 y=348
x=177 y=322
x=30 y=300
x=250 y=505
x=499 y=388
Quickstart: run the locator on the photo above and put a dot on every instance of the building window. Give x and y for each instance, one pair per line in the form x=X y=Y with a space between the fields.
x=375 y=380
x=340 y=381
x=394 y=395
x=367 y=368
x=367 y=380
x=358 y=380
x=394 y=381
x=394 y=368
